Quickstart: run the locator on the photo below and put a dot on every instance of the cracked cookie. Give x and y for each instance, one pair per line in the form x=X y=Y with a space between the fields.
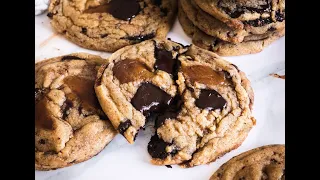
x=240 y=14
x=266 y=162
x=138 y=83
x=70 y=126
x=199 y=102
x=110 y=25
x=213 y=27
x=251 y=44
x=213 y=117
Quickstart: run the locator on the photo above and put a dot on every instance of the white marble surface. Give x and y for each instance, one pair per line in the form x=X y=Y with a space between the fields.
x=119 y=160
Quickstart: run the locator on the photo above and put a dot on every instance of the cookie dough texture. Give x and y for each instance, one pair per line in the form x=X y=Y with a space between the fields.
x=187 y=132
x=70 y=125
x=101 y=31
x=266 y=162
x=251 y=44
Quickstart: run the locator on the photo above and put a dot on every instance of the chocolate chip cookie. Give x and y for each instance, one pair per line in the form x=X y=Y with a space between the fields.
x=251 y=43
x=266 y=162
x=213 y=116
x=213 y=27
x=138 y=83
x=240 y=14
x=199 y=102
x=70 y=126
x=109 y=25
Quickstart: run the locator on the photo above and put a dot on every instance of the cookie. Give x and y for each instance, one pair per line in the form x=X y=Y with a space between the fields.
x=216 y=28
x=111 y=25
x=70 y=126
x=214 y=115
x=251 y=44
x=199 y=102
x=256 y=14
x=138 y=83
x=266 y=162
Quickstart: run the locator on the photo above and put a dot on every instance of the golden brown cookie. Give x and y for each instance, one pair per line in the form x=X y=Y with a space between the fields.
x=70 y=125
x=266 y=162
x=110 y=25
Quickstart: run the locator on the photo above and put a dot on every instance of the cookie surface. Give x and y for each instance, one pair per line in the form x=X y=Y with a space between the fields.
x=70 y=125
x=110 y=25
x=256 y=14
x=251 y=44
x=266 y=162
x=213 y=27
x=199 y=102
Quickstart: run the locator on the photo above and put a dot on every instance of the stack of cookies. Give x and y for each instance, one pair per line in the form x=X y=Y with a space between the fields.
x=233 y=27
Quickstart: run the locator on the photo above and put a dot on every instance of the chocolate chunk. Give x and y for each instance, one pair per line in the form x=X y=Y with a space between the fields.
x=168 y=166
x=50 y=15
x=211 y=100
x=272 y=29
x=204 y=75
x=120 y=9
x=68 y=58
x=157 y=148
x=39 y=93
x=140 y=38
x=42 y=141
x=150 y=99
x=259 y=22
x=104 y=35
x=279 y=16
x=164 y=60
x=84 y=89
x=129 y=70
x=84 y=30
x=123 y=126
x=171 y=112
x=67 y=105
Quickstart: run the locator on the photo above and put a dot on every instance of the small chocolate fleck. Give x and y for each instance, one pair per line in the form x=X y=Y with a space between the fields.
x=279 y=16
x=42 y=141
x=211 y=100
x=50 y=15
x=272 y=29
x=236 y=67
x=84 y=30
x=259 y=22
x=68 y=58
x=104 y=35
x=140 y=38
x=123 y=126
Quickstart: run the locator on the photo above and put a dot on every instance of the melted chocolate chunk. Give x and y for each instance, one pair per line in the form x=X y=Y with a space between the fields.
x=164 y=60
x=67 y=105
x=68 y=58
x=120 y=9
x=140 y=38
x=259 y=22
x=204 y=75
x=211 y=100
x=150 y=99
x=43 y=118
x=123 y=126
x=157 y=148
x=171 y=112
x=129 y=70
x=279 y=16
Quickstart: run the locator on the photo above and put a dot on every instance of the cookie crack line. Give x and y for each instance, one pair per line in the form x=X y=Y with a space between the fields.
x=192 y=112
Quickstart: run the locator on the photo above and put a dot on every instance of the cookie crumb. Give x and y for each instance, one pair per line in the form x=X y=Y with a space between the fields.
x=278 y=76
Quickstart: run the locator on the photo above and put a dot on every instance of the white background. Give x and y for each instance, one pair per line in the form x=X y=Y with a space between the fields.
x=120 y=160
